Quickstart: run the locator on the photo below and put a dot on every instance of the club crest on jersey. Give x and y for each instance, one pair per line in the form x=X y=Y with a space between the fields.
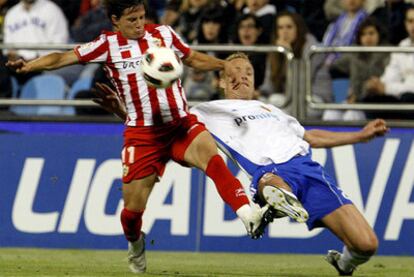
x=125 y=170
x=157 y=42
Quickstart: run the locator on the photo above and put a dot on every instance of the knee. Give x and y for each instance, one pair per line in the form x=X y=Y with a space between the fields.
x=368 y=245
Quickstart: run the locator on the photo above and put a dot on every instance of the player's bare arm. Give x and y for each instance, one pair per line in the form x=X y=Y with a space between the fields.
x=107 y=98
x=48 y=62
x=325 y=139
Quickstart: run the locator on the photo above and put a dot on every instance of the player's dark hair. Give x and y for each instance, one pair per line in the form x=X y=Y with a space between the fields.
x=117 y=7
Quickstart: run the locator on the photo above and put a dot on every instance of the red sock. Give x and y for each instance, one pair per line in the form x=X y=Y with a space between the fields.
x=229 y=188
x=131 y=223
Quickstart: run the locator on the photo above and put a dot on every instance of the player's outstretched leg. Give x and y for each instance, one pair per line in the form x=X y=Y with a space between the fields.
x=136 y=255
x=361 y=243
x=202 y=153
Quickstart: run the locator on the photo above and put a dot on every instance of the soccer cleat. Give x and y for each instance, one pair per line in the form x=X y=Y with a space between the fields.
x=251 y=216
x=136 y=255
x=267 y=218
x=333 y=257
x=285 y=202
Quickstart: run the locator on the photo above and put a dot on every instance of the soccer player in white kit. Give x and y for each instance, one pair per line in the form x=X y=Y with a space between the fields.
x=159 y=126
x=274 y=149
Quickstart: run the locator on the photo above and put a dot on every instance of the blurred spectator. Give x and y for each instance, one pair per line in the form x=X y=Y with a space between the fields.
x=5 y=80
x=199 y=85
x=189 y=21
x=392 y=17
x=315 y=19
x=89 y=26
x=211 y=29
x=361 y=67
x=339 y=33
x=171 y=13
x=266 y=13
x=249 y=30
x=396 y=85
x=334 y=8
x=70 y=9
x=5 y=5
x=34 y=21
x=291 y=33
x=342 y=31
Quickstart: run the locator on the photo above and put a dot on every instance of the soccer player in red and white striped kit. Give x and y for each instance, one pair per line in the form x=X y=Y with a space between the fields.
x=158 y=126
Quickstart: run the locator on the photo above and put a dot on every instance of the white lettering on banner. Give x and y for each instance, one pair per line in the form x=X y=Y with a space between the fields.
x=96 y=220
x=348 y=179
x=319 y=155
x=23 y=217
x=214 y=207
x=402 y=208
x=286 y=228
x=178 y=179
x=75 y=201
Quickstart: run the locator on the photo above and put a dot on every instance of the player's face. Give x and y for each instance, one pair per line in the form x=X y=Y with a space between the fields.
x=370 y=36
x=248 y=32
x=131 y=23
x=243 y=86
x=286 y=29
x=409 y=23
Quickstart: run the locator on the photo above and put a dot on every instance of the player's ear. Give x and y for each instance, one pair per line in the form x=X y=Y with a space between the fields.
x=114 y=20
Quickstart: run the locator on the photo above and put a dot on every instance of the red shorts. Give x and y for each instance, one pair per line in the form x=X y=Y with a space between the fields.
x=148 y=149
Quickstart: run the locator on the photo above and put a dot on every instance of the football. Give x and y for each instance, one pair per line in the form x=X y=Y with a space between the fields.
x=161 y=67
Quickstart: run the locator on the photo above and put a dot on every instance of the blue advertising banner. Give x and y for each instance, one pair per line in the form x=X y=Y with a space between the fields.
x=60 y=186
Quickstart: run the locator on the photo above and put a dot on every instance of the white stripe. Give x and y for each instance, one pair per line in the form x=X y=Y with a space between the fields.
x=178 y=100
x=164 y=105
x=330 y=186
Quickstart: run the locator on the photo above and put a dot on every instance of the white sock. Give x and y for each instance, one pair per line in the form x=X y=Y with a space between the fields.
x=244 y=212
x=350 y=259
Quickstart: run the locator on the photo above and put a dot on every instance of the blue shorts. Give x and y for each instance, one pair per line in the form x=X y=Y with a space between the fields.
x=316 y=190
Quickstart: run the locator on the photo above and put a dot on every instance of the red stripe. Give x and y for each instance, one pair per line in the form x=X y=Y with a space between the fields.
x=94 y=54
x=136 y=101
x=157 y=34
x=155 y=104
x=122 y=41
x=171 y=102
x=179 y=45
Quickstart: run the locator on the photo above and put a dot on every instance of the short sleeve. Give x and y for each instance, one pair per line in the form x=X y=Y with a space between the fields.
x=94 y=51
x=178 y=45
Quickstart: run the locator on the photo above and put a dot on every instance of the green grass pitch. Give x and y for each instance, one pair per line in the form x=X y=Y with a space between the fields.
x=41 y=262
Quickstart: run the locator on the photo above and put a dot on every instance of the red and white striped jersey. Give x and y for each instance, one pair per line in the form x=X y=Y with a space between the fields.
x=146 y=106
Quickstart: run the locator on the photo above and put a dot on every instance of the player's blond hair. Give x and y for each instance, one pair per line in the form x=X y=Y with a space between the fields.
x=237 y=55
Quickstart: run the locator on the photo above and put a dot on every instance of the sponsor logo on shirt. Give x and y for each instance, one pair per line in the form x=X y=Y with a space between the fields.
x=239 y=120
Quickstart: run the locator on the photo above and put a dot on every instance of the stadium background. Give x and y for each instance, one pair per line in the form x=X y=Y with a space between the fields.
x=59 y=188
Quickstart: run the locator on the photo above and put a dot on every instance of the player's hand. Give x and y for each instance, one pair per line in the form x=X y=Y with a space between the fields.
x=375 y=128
x=107 y=98
x=20 y=66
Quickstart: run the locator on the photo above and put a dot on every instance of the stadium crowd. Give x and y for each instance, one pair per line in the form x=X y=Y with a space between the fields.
x=293 y=24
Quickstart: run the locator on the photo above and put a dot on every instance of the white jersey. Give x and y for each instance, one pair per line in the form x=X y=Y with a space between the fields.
x=253 y=133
